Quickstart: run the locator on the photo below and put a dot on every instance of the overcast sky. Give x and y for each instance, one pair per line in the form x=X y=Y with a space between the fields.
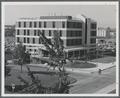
x=105 y=15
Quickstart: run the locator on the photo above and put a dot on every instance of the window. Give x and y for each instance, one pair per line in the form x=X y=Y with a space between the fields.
x=74 y=33
x=18 y=32
x=18 y=39
x=53 y=24
x=33 y=40
x=24 y=32
x=93 y=40
x=49 y=32
x=74 y=42
x=79 y=25
x=35 y=24
x=39 y=24
x=24 y=40
x=93 y=33
x=28 y=40
x=28 y=32
x=60 y=33
x=24 y=24
x=93 y=25
x=43 y=31
x=30 y=24
x=35 y=50
x=19 y=24
x=39 y=41
x=35 y=33
x=63 y=24
x=44 y=24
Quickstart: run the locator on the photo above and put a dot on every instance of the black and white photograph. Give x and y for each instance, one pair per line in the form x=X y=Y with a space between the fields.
x=60 y=48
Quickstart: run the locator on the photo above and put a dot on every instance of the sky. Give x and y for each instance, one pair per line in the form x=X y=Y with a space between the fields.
x=105 y=15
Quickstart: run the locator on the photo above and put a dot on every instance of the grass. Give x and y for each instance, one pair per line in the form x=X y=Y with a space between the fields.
x=105 y=60
x=78 y=64
x=47 y=80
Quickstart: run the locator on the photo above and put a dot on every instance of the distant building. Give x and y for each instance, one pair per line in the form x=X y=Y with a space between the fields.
x=77 y=33
x=106 y=38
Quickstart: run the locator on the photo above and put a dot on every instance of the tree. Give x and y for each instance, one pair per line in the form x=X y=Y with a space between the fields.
x=21 y=55
x=55 y=50
x=57 y=57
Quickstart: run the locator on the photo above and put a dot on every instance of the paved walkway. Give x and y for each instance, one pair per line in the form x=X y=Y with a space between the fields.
x=107 y=89
x=102 y=66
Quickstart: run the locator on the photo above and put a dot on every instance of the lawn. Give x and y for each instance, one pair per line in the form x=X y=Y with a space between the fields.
x=47 y=80
x=78 y=64
x=109 y=59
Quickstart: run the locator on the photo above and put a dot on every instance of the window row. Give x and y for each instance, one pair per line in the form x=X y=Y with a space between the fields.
x=29 y=40
x=74 y=42
x=74 y=33
x=74 y=25
x=39 y=24
x=36 y=33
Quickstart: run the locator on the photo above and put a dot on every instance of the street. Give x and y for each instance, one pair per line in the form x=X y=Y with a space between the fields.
x=91 y=83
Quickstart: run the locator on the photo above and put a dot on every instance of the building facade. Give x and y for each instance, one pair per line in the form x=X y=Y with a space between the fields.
x=78 y=34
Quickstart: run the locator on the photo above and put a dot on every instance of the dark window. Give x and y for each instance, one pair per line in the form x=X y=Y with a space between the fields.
x=74 y=33
x=74 y=42
x=18 y=32
x=24 y=40
x=39 y=24
x=49 y=32
x=79 y=25
x=93 y=25
x=93 y=40
x=93 y=33
x=33 y=40
x=28 y=40
x=35 y=33
x=35 y=24
x=44 y=24
x=43 y=31
x=24 y=24
x=28 y=32
x=35 y=50
x=53 y=24
x=19 y=24
x=30 y=24
x=60 y=33
x=18 y=39
x=39 y=41
x=24 y=32
x=63 y=24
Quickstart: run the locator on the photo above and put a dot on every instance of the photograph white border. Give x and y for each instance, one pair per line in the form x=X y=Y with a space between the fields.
x=59 y=3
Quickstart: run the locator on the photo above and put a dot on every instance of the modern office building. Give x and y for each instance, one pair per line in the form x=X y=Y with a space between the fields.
x=78 y=33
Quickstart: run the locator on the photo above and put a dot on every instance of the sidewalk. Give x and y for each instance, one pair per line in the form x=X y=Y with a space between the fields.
x=102 y=66
x=107 y=89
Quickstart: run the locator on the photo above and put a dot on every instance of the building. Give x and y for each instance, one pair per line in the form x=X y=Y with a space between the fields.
x=78 y=33
x=106 y=36
x=106 y=40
